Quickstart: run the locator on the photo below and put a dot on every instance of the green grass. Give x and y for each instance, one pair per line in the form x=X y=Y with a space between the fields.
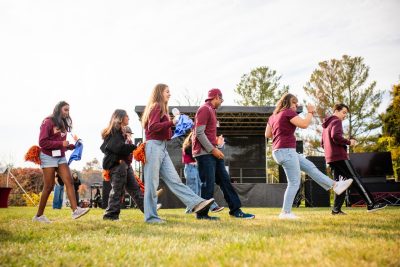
x=318 y=239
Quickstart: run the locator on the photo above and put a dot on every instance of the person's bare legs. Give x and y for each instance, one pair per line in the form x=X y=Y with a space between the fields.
x=48 y=179
x=65 y=174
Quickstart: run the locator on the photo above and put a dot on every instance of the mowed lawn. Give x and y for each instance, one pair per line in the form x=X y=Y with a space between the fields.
x=318 y=239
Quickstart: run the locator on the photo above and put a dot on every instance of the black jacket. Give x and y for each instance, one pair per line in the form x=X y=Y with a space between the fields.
x=115 y=149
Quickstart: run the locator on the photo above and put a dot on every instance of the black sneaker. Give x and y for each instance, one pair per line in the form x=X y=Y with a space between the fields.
x=375 y=207
x=107 y=218
x=206 y=217
x=240 y=214
x=338 y=212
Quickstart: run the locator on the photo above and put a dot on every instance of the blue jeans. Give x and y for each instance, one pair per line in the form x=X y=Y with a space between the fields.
x=159 y=163
x=58 y=196
x=292 y=163
x=212 y=170
x=192 y=177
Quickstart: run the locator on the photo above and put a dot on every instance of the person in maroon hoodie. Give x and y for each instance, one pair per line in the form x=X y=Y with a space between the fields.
x=157 y=125
x=53 y=144
x=335 y=146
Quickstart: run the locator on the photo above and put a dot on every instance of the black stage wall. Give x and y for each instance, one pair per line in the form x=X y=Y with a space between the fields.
x=244 y=157
x=250 y=194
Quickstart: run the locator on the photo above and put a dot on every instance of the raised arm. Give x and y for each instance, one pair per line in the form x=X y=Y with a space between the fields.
x=304 y=123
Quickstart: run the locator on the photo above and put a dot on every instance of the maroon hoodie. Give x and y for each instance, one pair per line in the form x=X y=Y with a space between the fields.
x=51 y=138
x=332 y=140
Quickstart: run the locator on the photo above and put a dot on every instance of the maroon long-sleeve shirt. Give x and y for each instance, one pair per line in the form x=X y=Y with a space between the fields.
x=158 y=126
x=51 y=138
x=333 y=142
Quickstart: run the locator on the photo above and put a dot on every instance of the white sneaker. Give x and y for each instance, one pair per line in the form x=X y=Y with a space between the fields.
x=41 y=219
x=288 y=216
x=79 y=212
x=159 y=206
x=342 y=185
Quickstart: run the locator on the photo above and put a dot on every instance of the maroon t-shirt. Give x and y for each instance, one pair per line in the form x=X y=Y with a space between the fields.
x=206 y=116
x=282 y=129
x=158 y=126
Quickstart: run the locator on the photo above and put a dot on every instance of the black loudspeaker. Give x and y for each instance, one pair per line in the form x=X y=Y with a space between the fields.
x=106 y=193
x=314 y=194
x=282 y=175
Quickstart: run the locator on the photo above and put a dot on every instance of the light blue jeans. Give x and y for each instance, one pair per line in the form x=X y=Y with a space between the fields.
x=158 y=163
x=292 y=163
x=191 y=173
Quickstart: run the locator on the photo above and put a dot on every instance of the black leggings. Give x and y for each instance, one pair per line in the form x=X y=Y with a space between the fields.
x=345 y=168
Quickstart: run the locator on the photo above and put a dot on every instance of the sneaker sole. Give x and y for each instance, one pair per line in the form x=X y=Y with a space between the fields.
x=35 y=221
x=376 y=209
x=205 y=206
x=289 y=218
x=243 y=218
x=80 y=215
x=220 y=209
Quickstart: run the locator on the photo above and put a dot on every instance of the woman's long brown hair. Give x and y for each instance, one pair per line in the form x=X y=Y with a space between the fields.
x=115 y=123
x=155 y=98
x=285 y=102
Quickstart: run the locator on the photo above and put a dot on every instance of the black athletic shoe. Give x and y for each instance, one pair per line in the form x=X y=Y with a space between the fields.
x=206 y=217
x=107 y=218
x=240 y=214
x=338 y=212
x=376 y=207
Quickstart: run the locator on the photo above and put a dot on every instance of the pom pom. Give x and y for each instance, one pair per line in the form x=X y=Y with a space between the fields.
x=141 y=185
x=106 y=175
x=33 y=155
x=140 y=154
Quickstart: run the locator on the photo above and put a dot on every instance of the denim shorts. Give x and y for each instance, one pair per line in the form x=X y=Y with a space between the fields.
x=47 y=161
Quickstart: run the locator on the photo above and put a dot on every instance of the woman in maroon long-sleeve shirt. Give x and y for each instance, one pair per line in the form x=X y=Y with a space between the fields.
x=53 y=143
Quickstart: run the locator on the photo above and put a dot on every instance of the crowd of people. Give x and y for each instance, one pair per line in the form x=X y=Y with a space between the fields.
x=202 y=154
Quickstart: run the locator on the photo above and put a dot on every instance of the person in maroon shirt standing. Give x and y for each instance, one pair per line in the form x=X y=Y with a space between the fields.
x=53 y=144
x=210 y=158
x=281 y=127
x=157 y=125
x=335 y=147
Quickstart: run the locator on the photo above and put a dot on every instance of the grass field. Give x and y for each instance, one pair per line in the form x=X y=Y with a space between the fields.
x=318 y=239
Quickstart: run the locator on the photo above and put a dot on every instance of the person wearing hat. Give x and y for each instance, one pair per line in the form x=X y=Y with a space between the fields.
x=210 y=159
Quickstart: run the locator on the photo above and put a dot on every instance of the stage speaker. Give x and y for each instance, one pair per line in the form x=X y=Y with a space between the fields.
x=315 y=195
x=105 y=193
x=282 y=175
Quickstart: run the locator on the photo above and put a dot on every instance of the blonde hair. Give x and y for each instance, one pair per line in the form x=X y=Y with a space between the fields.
x=285 y=102
x=155 y=98
x=115 y=123
x=188 y=141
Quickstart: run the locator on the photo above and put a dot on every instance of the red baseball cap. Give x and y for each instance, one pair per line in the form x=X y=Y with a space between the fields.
x=213 y=93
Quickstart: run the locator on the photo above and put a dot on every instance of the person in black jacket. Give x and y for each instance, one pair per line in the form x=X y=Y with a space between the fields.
x=77 y=183
x=116 y=151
